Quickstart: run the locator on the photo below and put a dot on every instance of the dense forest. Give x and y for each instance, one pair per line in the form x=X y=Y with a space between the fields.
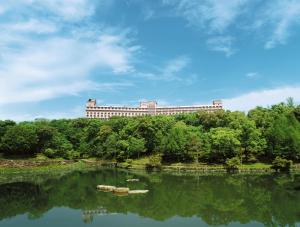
x=260 y=135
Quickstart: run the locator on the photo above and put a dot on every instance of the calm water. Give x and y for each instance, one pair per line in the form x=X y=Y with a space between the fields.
x=72 y=200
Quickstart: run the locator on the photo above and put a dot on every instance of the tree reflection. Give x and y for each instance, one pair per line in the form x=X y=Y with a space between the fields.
x=268 y=199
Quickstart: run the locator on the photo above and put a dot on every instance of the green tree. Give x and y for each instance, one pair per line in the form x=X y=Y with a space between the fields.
x=281 y=164
x=284 y=137
x=59 y=147
x=104 y=132
x=181 y=142
x=20 y=139
x=290 y=102
x=110 y=148
x=297 y=113
x=92 y=129
x=122 y=146
x=45 y=135
x=232 y=164
x=174 y=143
x=136 y=146
x=262 y=134
x=194 y=146
x=224 y=144
x=4 y=125
x=262 y=117
x=213 y=119
x=252 y=141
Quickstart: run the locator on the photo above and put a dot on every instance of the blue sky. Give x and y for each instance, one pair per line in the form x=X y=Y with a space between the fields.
x=55 y=54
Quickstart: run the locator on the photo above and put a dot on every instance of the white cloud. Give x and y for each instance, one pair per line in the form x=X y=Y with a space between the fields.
x=281 y=15
x=19 y=115
x=172 y=70
x=272 y=19
x=40 y=61
x=2 y=9
x=264 y=98
x=215 y=15
x=69 y=10
x=174 y=66
x=59 y=66
x=148 y=13
x=252 y=75
x=32 y=25
x=222 y=44
x=113 y=52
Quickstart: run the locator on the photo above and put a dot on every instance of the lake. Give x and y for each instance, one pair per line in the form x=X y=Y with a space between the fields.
x=172 y=200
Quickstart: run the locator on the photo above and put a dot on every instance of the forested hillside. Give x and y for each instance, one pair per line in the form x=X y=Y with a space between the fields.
x=260 y=135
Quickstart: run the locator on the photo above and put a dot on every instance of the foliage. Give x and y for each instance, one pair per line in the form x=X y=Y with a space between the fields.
x=281 y=164
x=284 y=136
x=4 y=126
x=225 y=143
x=211 y=137
x=20 y=140
x=50 y=153
x=232 y=164
x=154 y=162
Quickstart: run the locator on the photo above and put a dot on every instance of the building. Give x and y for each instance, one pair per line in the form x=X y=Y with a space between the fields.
x=145 y=108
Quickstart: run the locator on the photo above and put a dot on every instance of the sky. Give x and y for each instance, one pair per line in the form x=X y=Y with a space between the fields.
x=56 y=54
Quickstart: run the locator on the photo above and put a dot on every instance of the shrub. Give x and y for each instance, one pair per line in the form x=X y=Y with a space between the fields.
x=232 y=164
x=251 y=159
x=121 y=157
x=127 y=163
x=154 y=162
x=20 y=140
x=50 y=153
x=281 y=164
x=71 y=155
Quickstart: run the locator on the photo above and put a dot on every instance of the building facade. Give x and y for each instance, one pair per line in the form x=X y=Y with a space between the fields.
x=145 y=108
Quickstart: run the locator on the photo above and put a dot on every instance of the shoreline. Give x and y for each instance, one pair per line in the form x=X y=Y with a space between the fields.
x=52 y=166
x=206 y=169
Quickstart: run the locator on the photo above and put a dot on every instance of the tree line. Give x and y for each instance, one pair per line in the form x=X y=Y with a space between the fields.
x=260 y=135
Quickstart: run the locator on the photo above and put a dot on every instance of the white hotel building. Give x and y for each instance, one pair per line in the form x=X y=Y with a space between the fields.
x=145 y=108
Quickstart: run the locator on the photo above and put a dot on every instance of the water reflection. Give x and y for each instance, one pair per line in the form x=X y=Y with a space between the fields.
x=272 y=200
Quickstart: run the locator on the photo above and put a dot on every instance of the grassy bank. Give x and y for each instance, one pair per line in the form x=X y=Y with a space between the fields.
x=40 y=165
x=38 y=171
x=202 y=167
